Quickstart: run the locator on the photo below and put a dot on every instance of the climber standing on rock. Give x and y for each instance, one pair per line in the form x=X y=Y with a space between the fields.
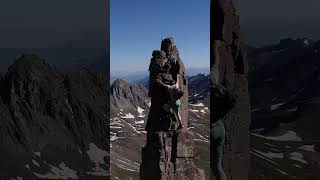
x=174 y=105
x=167 y=77
x=178 y=73
x=169 y=83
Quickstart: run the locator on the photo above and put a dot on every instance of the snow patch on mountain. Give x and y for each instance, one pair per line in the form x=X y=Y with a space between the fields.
x=128 y=116
x=309 y=148
x=276 y=106
x=271 y=155
x=198 y=105
x=37 y=154
x=288 y=136
x=141 y=112
x=61 y=172
x=35 y=163
x=139 y=122
x=296 y=156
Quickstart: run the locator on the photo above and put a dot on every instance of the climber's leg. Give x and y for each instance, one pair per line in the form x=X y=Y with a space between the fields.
x=217 y=143
x=180 y=119
x=218 y=171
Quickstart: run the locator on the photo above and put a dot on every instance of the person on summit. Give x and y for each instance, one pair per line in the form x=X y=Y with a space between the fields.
x=161 y=77
x=175 y=92
x=168 y=79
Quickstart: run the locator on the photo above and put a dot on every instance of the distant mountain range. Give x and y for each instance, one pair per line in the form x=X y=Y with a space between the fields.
x=284 y=84
x=143 y=76
x=286 y=73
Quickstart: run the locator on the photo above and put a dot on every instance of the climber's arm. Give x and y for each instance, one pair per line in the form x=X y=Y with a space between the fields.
x=160 y=84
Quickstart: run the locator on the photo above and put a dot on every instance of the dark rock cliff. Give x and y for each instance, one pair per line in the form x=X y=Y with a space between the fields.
x=229 y=72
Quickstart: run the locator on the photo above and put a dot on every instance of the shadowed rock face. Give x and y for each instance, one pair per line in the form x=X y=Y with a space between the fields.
x=229 y=87
x=59 y=117
x=168 y=153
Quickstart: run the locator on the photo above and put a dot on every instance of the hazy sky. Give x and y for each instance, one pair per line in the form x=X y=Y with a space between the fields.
x=137 y=28
x=279 y=9
x=37 y=23
x=267 y=21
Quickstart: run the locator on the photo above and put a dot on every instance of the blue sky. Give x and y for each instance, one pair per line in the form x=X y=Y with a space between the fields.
x=39 y=23
x=137 y=27
x=265 y=22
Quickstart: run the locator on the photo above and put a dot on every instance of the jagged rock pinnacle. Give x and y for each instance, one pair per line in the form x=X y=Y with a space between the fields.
x=169 y=47
x=168 y=153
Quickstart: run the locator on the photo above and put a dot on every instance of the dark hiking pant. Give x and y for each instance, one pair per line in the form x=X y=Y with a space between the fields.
x=217 y=133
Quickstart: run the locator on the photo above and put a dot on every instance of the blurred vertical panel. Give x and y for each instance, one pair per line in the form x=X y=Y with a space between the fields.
x=229 y=92
x=54 y=89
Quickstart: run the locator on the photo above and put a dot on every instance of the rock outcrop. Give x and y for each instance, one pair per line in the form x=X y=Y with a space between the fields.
x=229 y=71
x=50 y=119
x=168 y=153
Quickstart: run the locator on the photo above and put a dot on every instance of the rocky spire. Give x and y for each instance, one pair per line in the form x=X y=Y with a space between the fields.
x=229 y=80
x=168 y=153
x=169 y=47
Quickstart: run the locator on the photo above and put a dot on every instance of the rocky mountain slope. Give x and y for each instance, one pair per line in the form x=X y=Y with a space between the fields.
x=284 y=88
x=198 y=87
x=129 y=109
x=53 y=125
x=284 y=83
